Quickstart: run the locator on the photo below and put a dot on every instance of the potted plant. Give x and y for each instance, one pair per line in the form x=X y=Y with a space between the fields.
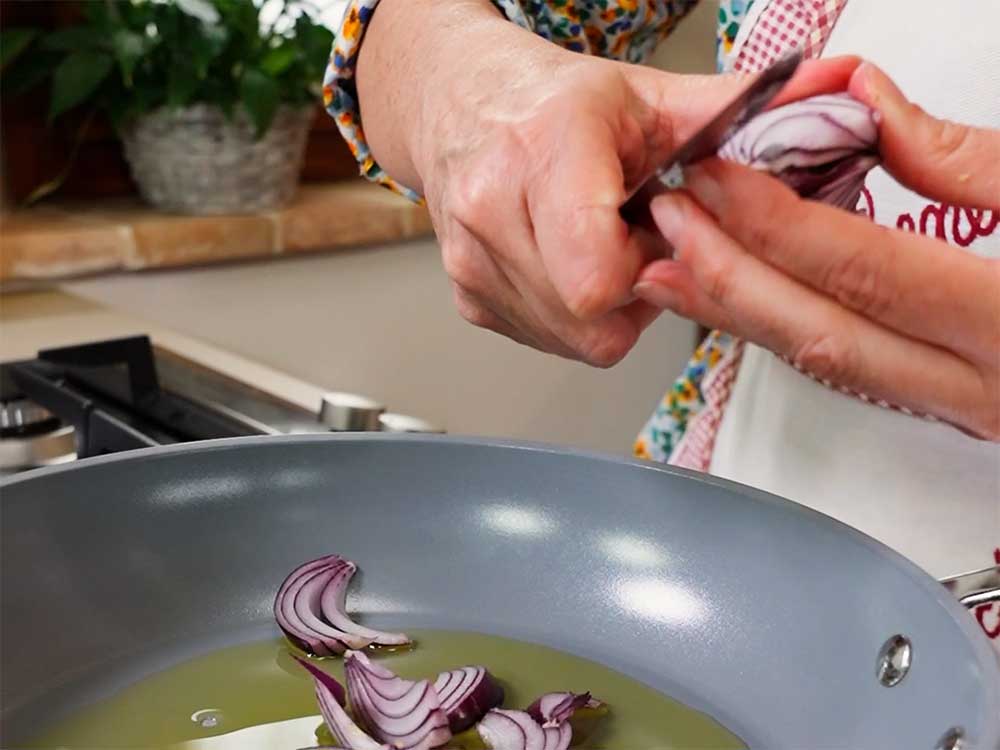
x=212 y=102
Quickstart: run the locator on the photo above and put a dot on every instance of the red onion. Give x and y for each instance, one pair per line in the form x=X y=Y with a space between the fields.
x=309 y=608
x=466 y=695
x=821 y=147
x=512 y=730
x=553 y=709
x=404 y=714
x=330 y=696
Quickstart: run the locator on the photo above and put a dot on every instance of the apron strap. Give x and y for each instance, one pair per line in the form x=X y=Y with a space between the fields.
x=780 y=26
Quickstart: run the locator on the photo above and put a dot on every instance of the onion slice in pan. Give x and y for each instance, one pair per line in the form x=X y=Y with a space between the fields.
x=466 y=694
x=404 y=714
x=517 y=730
x=553 y=709
x=334 y=609
x=309 y=608
x=330 y=696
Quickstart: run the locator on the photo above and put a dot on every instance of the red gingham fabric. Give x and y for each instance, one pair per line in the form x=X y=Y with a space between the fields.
x=783 y=26
x=786 y=25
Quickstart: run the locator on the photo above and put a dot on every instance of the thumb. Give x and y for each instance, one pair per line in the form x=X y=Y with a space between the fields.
x=940 y=159
x=688 y=102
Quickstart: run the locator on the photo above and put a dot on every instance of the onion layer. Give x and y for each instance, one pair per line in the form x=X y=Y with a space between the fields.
x=513 y=730
x=821 y=147
x=554 y=709
x=330 y=696
x=466 y=694
x=404 y=714
x=309 y=608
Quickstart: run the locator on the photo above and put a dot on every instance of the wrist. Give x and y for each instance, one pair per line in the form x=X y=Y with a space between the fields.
x=407 y=77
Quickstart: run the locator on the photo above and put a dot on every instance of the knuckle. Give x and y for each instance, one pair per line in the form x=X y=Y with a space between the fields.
x=716 y=279
x=470 y=310
x=459 y=261
x=606 y=345
x=828 y=357
x=948 y=140
x=592 y=296
x=471 y=198
x=858 y=280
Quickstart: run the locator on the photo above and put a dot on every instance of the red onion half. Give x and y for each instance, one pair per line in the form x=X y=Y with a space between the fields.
x=330 y=696
x=821 y=147
x=466 y=694
x=404 y=714
x=309 y=608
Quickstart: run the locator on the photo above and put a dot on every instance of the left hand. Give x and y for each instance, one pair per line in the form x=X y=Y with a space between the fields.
x=888 y=313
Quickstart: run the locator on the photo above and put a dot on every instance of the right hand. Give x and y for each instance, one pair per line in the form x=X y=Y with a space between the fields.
x=525 y=153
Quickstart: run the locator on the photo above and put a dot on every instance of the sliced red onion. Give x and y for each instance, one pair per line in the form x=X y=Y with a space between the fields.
x=333 y=606
x=558 y=738
x=404 y=714
x=330 y=696
x=515 y=730
x=553 y=709
x=309 y=609
x=822 y=147
x=466 y=694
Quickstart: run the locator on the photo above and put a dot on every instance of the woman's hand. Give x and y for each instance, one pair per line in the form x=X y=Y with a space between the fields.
x=895 y=315
x=525 y=152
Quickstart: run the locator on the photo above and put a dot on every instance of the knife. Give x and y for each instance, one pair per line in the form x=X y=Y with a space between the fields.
x=706 y=142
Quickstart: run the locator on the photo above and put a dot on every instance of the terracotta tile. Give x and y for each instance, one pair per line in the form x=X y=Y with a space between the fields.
x=73 y=238
x=164 y=240
x=348 y=214
x=45 y=244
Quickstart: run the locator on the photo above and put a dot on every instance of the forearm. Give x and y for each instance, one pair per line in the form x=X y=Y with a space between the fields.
x=424 y=63
x=413 y=51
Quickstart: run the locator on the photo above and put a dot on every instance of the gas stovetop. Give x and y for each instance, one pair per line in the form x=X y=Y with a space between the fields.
x=110 y=396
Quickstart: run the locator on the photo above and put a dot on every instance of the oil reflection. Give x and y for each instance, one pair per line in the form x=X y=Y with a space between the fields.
x=634 y=550
x=185 y=490
x=508 y=518
x=660 y=600
x=291 y=733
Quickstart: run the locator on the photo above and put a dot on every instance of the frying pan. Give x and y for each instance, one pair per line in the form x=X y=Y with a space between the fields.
x=766 y=615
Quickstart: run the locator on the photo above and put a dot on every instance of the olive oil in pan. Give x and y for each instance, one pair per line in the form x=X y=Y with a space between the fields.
x=255 y=696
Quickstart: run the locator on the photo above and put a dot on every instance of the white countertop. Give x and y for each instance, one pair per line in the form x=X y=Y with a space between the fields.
x=376 y=321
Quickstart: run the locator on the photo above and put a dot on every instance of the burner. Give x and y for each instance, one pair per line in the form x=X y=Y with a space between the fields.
x=107 y=396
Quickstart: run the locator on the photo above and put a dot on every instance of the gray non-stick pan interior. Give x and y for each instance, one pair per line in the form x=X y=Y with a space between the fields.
x=768 y=616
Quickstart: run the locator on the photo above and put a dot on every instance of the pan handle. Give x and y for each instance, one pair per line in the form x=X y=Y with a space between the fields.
x=975 y=588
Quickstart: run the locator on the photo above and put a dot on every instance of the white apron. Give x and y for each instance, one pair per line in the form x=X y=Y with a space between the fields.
x=923 y=488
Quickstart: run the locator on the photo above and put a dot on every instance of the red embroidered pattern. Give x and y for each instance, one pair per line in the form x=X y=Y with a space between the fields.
x=984 y=610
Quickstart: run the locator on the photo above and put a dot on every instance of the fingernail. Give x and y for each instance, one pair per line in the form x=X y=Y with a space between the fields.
x=657 y=295
x=700 y=181
x=668 y=213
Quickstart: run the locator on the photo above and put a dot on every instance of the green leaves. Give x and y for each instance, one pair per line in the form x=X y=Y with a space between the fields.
x=130 y=58
x=13 y=42
x=260 y=96
x=76 y=78
x=129 y=47
x=277 y=60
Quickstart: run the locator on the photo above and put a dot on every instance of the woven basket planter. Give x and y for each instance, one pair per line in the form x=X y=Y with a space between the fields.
x=197 y=161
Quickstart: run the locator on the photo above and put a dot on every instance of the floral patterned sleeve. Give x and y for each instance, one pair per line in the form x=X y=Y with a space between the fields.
x=621 y=29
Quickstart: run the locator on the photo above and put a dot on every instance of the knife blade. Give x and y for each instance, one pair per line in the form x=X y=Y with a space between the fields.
x=706 y=142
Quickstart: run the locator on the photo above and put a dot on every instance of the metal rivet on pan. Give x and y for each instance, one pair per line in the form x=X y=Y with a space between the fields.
x=952 y=740
x=894 y=659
